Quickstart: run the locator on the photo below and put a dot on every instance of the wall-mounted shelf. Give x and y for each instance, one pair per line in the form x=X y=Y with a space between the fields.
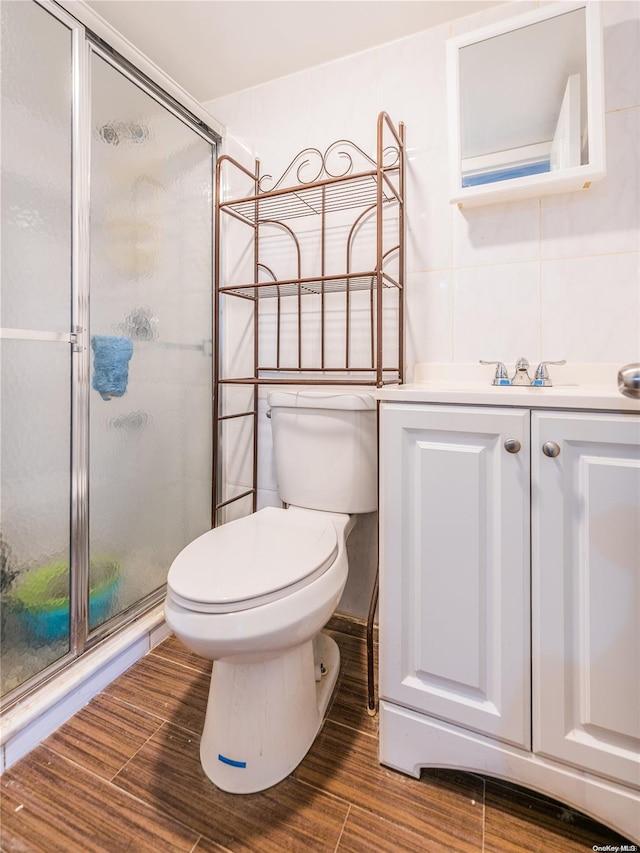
x=332 y=294
x=526 y=105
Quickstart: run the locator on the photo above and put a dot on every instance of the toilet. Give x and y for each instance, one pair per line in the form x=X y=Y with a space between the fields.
x=253 y=595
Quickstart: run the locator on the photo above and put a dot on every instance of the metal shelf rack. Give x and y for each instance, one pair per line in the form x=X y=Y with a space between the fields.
x=342 y=185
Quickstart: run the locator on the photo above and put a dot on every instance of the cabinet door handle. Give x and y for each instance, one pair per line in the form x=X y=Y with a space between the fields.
x=550 y=448
x=512 y=445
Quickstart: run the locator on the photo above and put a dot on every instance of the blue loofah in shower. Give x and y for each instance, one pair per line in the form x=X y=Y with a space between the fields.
x=111 y=365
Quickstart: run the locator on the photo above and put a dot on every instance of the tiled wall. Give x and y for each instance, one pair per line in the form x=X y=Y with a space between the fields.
x=556 y=277
x=551 y=278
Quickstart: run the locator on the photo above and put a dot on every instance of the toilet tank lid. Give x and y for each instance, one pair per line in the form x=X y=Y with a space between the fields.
x=321 y=400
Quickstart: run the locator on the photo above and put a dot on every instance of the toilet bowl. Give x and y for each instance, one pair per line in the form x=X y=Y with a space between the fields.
x=253 y=596
x=265 y=706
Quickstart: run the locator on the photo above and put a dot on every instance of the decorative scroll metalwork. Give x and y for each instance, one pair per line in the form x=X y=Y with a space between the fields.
x=312 y=165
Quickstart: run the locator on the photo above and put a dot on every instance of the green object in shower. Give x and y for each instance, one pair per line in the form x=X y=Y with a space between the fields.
x=41 y=599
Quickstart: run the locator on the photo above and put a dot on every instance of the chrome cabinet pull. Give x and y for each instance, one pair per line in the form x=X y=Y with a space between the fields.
x=512 y=445
x=550 y=448
x=629 y=380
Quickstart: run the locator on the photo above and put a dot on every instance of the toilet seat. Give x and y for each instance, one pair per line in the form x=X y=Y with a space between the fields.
x=252 y=561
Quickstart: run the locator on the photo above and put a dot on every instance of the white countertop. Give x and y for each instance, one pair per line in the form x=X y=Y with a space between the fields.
x=585 y=386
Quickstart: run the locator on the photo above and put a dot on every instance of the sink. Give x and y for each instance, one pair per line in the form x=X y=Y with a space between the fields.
x=475 y=376
x=576 y=386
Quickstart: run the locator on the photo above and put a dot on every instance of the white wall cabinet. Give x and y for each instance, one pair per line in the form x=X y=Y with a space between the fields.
x=541 y=689
x=526 y=105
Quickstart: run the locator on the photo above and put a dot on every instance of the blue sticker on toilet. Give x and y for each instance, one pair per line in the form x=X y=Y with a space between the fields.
x=230 y=761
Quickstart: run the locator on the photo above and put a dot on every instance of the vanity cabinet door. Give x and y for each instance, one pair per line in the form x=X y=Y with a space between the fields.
x=586 y=591
x=454 y=572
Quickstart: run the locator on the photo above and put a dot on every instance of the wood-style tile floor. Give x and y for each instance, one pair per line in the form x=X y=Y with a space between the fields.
x=124 y=776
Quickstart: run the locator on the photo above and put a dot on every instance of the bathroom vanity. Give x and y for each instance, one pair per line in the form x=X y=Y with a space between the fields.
x=510 y=587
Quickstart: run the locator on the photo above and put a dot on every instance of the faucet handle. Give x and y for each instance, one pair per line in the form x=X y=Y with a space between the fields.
x=501 y=376
x=541 y=377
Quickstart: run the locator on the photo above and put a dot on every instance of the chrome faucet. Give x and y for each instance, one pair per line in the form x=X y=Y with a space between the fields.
x=521 y=376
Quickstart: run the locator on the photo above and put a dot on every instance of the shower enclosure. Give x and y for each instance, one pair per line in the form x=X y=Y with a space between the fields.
x=106 y=341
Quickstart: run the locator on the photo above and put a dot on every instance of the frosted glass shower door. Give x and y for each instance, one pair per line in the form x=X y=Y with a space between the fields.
x=151 y=329
x=35 y=342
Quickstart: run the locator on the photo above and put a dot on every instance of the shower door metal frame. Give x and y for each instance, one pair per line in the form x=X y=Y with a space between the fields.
x=80 y=142
x=83 y=45
x=80 y=359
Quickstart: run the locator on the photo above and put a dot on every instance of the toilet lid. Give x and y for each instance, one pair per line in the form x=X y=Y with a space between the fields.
x=253 y=560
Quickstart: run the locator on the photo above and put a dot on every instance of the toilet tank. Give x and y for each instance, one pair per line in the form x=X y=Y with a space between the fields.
x=325 y=450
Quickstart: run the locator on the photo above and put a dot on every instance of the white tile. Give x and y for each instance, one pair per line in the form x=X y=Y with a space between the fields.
x=496 y=313
x=314 y=109
x=237 y=112
x=621 y=36
x=492 y=16
x=496 y=234
x=158 y=635
x=429 y=216
x=237 y=252
x=283 y=122
x=428 y=312
x=342 y=95
x=606 y=217
x=235 y=510
x=591 y=309
x=266 y=465
x=234 y=181
x=279 y=253
x=240 y=151
x=362 y=551
x=412 y=86
x=237 y=343
x=237 y=454
x=267 y=497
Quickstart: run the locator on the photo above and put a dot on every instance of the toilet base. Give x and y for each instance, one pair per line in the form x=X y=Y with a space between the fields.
x=264 y=713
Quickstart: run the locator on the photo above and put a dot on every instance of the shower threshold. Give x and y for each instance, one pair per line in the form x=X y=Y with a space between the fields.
x=24 y=726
